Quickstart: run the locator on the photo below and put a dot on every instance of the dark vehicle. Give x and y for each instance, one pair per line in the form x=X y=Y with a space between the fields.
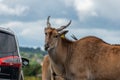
x=10 y=60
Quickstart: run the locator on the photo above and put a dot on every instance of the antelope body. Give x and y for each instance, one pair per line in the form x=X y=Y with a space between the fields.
x=46 y=72
x=47 y=68
x=89 y=58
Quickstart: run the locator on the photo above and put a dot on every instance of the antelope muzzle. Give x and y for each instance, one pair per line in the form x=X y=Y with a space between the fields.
x=46 y=46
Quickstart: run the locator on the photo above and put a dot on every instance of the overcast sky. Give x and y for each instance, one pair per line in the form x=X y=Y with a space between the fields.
x=27 y=18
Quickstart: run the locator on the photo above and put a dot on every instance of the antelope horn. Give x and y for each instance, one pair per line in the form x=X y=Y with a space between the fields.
x=74 y=37
x=48 y=23
x=63 y=27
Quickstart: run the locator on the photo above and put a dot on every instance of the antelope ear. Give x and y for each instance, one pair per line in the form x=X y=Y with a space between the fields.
x=62 y=34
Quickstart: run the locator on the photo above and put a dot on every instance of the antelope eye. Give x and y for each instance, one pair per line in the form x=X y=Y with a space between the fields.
x=45 y=33
x=56 y=36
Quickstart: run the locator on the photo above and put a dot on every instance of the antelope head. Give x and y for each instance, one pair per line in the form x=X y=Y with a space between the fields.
x=52 y=35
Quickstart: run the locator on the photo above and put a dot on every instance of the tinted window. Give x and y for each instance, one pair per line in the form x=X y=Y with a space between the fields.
x=7 y=44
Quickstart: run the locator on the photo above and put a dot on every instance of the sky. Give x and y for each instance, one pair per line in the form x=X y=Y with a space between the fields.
x=27 y=18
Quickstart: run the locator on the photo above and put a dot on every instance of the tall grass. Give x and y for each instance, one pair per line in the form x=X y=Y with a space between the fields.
x=32 y=78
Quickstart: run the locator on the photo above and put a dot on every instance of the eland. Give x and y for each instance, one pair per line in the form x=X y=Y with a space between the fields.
x=89 y=58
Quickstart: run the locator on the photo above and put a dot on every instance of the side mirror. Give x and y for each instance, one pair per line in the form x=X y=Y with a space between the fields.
x=25 y=62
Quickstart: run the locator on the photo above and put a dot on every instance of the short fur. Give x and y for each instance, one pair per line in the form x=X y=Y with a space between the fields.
x=89 y=58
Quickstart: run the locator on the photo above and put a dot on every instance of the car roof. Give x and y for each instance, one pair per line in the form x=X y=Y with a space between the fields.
x=6 y=30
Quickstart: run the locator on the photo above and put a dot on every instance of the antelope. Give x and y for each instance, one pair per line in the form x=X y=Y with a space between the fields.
x=89 y=58
x=47 y=68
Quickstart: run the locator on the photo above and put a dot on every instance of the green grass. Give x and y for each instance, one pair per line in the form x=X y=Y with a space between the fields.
x=32 y=78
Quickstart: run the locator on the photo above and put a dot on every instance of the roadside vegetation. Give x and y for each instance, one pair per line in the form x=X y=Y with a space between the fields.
x=35 y=56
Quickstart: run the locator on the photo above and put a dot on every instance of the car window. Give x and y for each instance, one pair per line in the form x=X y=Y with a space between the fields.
x=7 y=44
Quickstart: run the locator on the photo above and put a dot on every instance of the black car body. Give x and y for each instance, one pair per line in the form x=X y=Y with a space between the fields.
x=10 y=59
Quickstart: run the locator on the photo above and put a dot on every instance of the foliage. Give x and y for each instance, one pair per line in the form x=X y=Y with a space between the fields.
x=32 y=78
x=35 y=57
x=32 y=70
x=32 y=50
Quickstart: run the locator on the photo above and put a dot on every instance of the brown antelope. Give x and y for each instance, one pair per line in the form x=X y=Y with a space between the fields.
x=46 y=73
x=89 y=58
x=47 y=68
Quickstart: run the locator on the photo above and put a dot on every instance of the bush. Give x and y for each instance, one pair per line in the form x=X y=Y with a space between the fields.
x=32 y=70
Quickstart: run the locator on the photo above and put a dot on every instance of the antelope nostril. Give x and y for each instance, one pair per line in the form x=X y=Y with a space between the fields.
x=46 y=46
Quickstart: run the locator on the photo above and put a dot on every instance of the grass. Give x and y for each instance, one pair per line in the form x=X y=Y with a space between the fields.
x=32 y=78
